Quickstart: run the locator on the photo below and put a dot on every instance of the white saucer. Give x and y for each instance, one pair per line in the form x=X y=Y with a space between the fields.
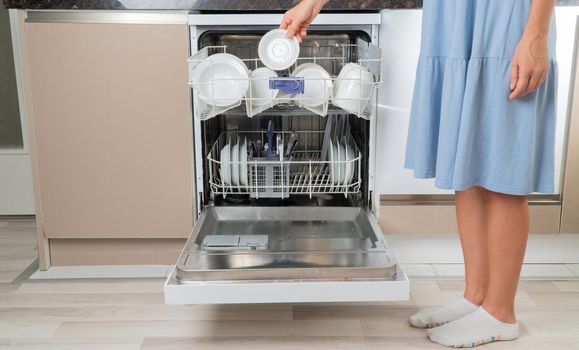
x=276 y=51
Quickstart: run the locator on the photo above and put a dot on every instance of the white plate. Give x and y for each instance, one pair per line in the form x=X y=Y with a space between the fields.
x=225 y=165
x=342 y=154
x=276 y=51
x=243 y=163
x=334 y=158
x=331 y=166
x=235 y=164
x=260 y=92
x=318 y=85
x=221 y=80
x=349 y=165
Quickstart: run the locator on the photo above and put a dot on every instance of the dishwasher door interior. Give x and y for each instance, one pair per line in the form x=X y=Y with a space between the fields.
x=285 y=254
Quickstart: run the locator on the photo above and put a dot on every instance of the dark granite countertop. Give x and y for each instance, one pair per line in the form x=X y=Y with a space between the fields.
x=217 y=5
x=206 y=5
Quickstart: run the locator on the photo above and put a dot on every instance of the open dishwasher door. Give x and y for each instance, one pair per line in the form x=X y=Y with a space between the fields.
x=285 y=254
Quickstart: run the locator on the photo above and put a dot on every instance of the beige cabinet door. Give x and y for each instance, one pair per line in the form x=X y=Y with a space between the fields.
x=112 y=129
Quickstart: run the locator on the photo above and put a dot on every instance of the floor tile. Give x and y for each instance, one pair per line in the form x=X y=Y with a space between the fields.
x=424 y=286
x=562 y=301
x=574 y=268
x=417 y=342
x=298 y=328
x=81 y=300
x=91 y=287
x=449 y=270
x=73 y=344
x=150 y=313
x=27 y=329
x=567 y=286
x=545 y=271
x=255 y=343
x=551 y=324
x=418 y=270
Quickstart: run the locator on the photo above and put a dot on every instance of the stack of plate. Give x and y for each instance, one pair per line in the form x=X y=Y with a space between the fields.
x=341 y=158
x=233 y=160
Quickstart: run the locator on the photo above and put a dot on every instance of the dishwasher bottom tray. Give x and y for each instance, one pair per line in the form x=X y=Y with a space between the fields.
x=285 y=244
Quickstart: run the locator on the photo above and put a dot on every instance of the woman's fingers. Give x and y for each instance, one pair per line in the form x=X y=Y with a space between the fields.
x=522 y=85
x=285 y=22
x=293 y=29
x=536 y=81
x=514 y=75
x=526 y=82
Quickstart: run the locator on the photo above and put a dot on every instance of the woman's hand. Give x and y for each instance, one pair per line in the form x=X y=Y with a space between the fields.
x=530 y=64
x=297 y=19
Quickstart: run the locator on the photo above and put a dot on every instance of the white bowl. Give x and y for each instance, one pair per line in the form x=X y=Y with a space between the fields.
x=318 y=85
x=343 y=72
x=354 y=88
x=276 y=51
x=221 y=80
x=260 y=93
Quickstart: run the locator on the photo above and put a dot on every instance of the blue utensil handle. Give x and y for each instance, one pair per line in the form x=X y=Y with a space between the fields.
x=290 y=86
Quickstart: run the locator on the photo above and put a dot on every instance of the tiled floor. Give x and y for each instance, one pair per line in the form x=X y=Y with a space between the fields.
x=529 y=271
x=130 y=313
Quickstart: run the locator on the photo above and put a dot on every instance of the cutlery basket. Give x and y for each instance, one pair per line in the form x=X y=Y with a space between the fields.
x=268 y=178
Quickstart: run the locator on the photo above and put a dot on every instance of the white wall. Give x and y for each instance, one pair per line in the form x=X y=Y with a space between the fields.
x=400 y=38
x=16 y=194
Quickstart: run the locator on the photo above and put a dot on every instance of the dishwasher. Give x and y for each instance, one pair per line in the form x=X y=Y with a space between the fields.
x=295 y=226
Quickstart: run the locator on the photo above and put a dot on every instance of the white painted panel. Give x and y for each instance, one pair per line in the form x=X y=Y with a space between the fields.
x=16 y=195
x=400 y=43
x=286 y=292
x=566 y=36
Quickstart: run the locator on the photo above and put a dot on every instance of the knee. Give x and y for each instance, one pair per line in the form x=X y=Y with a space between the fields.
x=497 y=197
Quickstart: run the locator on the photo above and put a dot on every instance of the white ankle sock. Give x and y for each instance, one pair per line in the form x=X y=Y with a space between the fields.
x=436 y=316
x=472 y=330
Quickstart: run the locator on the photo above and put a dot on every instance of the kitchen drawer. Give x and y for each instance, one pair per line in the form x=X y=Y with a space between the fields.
x=285 y=254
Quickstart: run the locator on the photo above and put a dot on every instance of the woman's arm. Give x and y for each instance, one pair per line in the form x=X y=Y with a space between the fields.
x=530 y=63
x=297 y=19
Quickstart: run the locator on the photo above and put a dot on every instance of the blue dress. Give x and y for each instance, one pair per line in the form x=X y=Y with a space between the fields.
x=464 y=131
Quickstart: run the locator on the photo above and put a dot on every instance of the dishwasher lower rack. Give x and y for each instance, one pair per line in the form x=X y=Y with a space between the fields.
x=360 y=100
x=321 y=169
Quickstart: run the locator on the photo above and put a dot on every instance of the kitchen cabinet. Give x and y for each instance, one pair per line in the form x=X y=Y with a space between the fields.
x=111 y=131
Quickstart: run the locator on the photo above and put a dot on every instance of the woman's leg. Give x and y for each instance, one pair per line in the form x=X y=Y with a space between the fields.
x=470 y=211
x=508 y=229
x=472 y=227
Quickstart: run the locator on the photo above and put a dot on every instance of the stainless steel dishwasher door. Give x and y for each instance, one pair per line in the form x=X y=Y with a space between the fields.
x=285 y=254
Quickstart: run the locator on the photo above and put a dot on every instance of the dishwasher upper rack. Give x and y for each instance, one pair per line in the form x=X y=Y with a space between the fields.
x=304 y=173
x=366 y=91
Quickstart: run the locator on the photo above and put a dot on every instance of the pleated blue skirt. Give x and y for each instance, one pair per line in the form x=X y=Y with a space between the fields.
x=464 y=131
